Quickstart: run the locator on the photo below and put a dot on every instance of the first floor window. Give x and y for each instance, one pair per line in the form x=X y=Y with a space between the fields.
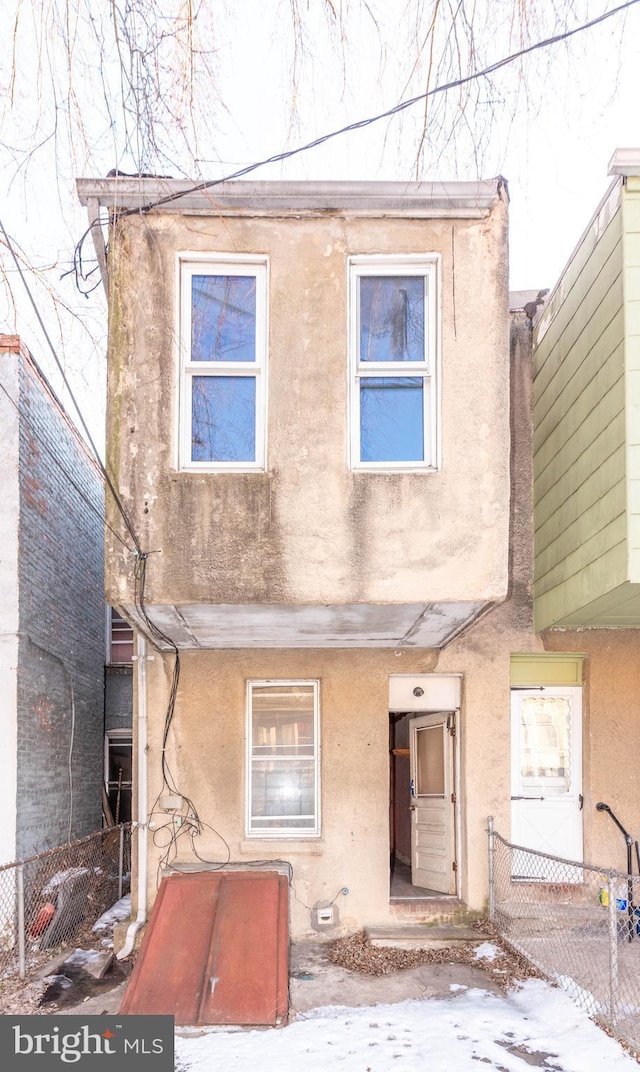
x=393 y=353
x=283 y=758
x=223 y=348
x=118 y=767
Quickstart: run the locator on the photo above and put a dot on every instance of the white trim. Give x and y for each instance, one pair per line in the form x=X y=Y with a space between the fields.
x=141 y=803
x=189 y=264
x=426 y=266
x=283 y=833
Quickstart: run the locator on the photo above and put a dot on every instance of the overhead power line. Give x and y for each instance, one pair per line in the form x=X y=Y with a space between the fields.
x=402 y=106
x=107 y=478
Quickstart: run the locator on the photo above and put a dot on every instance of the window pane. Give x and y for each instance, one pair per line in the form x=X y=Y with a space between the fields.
x=391 y=419
x=223 y=318
x=392 y=318
x=545 y=743
x=283 y=722
x=281 y=788
x=223 y=419
x=121 y=639
x=430 y=761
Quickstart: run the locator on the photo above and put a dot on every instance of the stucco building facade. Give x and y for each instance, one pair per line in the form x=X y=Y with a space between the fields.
x=319 y=426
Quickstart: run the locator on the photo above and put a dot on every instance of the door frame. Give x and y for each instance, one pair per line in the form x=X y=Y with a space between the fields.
x=424 y=694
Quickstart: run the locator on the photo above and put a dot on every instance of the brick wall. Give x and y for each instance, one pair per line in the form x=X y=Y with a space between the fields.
x=62 y=637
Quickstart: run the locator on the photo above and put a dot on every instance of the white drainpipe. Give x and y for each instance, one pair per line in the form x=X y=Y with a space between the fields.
x=142 y=825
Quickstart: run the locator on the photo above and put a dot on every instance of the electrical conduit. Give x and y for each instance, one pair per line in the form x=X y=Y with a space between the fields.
x=141 y=796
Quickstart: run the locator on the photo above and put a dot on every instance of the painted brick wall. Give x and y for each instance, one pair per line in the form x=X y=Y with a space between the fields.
x=62 y=640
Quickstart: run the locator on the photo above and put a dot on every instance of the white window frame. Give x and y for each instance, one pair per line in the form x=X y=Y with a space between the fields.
x=427 y=266
x=282 y=833
x=188 y=265
x=115 y=737
x=111 y=644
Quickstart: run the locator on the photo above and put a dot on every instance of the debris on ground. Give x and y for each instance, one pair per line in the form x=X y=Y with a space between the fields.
x=506 y=967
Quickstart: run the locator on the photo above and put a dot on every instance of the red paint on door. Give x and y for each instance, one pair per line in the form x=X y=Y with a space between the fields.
x=216 y=950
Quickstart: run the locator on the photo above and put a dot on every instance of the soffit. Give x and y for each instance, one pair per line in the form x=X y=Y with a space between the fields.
x=361 y=625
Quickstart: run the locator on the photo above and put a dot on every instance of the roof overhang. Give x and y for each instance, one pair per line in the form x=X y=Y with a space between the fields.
x=356 y=625
x=255 y=198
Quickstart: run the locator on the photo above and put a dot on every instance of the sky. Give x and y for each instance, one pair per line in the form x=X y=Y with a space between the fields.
x=472 y=1029
x=266 y=76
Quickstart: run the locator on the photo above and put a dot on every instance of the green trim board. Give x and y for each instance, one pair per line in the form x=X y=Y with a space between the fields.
x=546 y=668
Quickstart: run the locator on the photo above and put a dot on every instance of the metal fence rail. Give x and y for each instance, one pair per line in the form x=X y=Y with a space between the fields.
x=55 y=897
x=579 y=924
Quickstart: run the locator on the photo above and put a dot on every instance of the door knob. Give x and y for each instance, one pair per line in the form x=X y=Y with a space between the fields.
x=412 y=807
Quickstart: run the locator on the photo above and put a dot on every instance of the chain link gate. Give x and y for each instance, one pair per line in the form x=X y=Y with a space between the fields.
x=577 y=923
x=55 y=897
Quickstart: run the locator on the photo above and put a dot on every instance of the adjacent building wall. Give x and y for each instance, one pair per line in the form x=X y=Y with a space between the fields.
x=9 y=517
x=60 y=668
x=581 y=541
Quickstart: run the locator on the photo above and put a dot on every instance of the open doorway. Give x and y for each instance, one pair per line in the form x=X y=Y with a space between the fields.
x=422 y=805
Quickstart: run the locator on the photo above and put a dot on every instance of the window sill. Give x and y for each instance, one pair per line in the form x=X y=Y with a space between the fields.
x=307 y=846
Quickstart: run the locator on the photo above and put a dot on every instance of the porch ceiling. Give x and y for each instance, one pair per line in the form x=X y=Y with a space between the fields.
x=356 y=625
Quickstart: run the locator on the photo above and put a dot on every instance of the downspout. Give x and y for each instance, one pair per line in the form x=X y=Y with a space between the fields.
x=141 y=797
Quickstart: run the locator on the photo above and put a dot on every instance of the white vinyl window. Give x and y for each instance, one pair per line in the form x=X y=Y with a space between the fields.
x=223 y=357
x=393 y=343
x=283 y=759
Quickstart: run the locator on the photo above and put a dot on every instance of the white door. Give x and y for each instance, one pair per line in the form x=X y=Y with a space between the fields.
x=546 y=780
x=432 y=802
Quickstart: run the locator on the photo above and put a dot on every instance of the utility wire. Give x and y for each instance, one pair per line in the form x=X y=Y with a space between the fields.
x=107 y=478
x=361 y=123
x=47 y=449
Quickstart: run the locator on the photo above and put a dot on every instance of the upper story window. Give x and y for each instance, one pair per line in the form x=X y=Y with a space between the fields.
x=393 y=342
x=119 y=639
x=223 y=355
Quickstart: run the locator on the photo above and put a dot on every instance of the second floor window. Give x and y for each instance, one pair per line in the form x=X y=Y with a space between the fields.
x=120 y=639
x=393 y=350
x=223 y=342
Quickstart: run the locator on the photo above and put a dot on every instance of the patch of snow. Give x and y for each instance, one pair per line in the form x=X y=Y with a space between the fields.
x=60 y=877
x=458 y=1032
x=119 y=911
x=486 y=951
x=458 y=986
x=80 y=957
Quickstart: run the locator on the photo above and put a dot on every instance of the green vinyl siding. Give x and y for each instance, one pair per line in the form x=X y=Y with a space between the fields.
x=631 y=277
x=580 y=458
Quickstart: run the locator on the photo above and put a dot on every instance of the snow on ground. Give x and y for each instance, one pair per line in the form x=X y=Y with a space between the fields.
x=487 y=951
x=120 y=910
x=535 y=1026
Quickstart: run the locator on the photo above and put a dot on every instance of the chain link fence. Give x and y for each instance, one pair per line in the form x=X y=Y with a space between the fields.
x=54 y=898
x=577 y=923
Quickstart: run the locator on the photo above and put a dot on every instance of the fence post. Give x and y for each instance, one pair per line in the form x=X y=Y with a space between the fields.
x=120 y=862
x=22 y=965
x=613 y=948
x=492 y=892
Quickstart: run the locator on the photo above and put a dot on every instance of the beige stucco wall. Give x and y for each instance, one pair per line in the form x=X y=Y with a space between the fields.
x=309 y=530
x=206 y=746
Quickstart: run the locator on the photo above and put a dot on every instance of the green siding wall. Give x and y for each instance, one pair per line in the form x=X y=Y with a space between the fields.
x=580 y=450
x=631 y=280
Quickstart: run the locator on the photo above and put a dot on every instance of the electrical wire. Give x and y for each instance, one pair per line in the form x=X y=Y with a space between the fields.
x=357 y=125
x=47 y=450
x=193 y=823
x=107 y=478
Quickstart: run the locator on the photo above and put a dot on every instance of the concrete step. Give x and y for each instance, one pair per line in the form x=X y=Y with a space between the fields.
x=424 y=936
